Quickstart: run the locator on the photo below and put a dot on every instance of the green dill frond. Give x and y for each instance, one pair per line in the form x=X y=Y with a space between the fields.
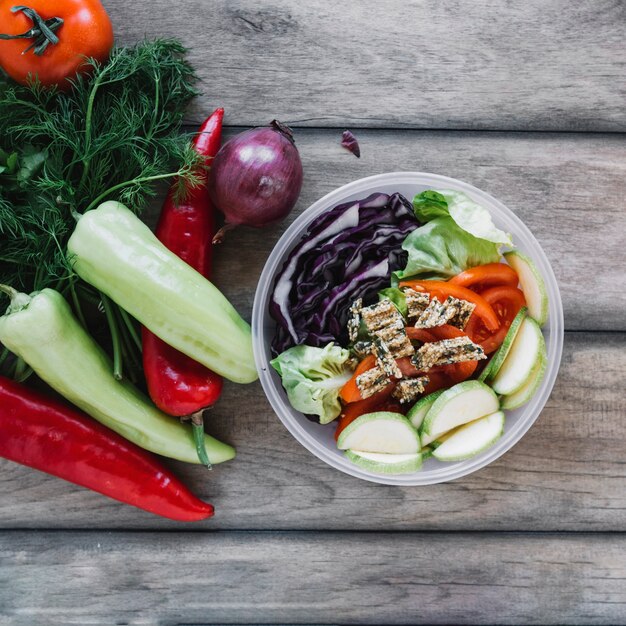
x=113 y=136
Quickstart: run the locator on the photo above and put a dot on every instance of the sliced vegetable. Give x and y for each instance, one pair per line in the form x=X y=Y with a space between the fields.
x=387 y=433
x=347 y=253
x=42 y=330
x=492 y=369
x=458 y=405
x=418 y=411
x=45 y=434
x=313 y=378
x=118 y=254
x=442 y=290
x=533 y=285
x=256 y=177
x=471 y=439
x=528 y=349
x=349 y=142
x=506 y=302
x=483 y=276
x=386 y=463
x=53 y=42
x=529 y=388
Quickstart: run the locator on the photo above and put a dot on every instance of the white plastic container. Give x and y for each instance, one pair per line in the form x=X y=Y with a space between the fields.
x=319 y=439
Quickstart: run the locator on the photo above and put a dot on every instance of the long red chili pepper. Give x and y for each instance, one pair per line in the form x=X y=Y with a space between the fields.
x=45 y=434
x=177 y=384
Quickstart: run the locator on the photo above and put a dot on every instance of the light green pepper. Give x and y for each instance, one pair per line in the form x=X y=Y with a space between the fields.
x=42 y=330
x=117 y=253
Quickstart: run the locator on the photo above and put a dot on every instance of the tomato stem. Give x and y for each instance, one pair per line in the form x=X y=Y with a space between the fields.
x=42 y=32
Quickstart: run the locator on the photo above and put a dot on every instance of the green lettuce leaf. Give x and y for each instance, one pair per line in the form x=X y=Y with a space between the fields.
x=441 y=249
x=430 y=204
x=313 y=377
x=469 y=215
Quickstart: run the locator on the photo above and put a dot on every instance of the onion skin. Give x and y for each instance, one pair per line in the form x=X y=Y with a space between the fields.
x=256 y=177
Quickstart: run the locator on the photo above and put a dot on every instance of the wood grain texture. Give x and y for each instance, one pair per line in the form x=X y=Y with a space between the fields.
x=569 y=189
x=311 y=578
x=489 y=64
x=567 y=473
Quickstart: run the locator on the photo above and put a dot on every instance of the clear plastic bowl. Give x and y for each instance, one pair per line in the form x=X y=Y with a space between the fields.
x=319 y=439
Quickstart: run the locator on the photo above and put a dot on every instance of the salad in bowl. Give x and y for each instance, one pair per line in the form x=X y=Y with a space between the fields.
x=402 y=334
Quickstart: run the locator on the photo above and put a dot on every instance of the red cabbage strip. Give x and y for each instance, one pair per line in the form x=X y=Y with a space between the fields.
x=347 y=252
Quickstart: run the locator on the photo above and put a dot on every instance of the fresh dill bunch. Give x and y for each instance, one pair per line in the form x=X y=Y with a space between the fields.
x=112 y=136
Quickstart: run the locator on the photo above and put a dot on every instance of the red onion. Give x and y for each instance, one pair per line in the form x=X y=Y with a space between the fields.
x=256 y=177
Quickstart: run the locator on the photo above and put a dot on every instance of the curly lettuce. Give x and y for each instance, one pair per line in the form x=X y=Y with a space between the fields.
x=313 y=377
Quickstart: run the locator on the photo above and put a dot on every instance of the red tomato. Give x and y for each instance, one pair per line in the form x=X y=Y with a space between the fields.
x=85 y=32
x=506 y=302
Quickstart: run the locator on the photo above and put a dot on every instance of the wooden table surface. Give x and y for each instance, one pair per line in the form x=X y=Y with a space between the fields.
x=522 y=99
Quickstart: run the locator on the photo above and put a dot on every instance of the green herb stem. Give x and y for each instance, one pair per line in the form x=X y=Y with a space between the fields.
x=20 y=368
x=76 y=302
x=132 y=331
x=127 y=183
x=115 y=337
x=4 y=355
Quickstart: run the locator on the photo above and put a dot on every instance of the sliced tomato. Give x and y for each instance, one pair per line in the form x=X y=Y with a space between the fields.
x=420 y=334
x=350 y=392
x=506 y=302
x=489 y=275
x=356 y=409
x=442 y=290
x=437 y=381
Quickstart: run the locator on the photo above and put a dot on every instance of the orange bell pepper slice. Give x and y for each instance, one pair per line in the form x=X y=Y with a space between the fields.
x=489 y=275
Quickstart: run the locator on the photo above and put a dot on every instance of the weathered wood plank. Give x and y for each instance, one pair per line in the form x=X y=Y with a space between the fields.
x=569 y=189
x=568 y=473
x=105 y=578
x=492 y=64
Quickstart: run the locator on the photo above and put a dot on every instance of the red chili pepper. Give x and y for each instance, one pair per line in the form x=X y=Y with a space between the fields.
x=49 y=436
x=177 y=384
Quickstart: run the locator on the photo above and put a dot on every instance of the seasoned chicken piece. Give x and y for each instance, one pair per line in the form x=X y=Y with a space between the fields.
x=384 y=321
x=385 y=359
x=435 y=314
x=408 y=389
x=416 y=302
x=446 y=352
x=371 y=382
x=355 y=319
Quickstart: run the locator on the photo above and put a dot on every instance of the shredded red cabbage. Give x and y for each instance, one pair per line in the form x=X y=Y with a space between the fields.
x=349 y=142
x=348 y=252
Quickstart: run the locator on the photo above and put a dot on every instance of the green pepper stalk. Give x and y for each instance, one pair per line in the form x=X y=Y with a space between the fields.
x=117 y=253
x=42 y=330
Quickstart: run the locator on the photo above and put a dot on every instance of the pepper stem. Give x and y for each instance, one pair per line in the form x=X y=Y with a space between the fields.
x=19 y=300
x=42 y=33
x=197 y=426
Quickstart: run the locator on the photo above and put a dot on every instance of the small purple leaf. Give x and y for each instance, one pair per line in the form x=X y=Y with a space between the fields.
x=349 y=142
